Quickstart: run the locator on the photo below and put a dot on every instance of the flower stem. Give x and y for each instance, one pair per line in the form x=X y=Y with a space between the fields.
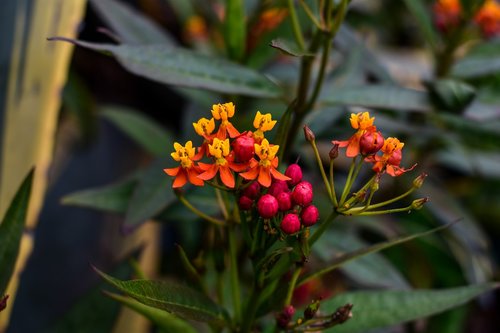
x=384 y=203
x=349 y=181
x=322 y=170
x=235 y=282
x=297 y=31
x=322 y=228
x=199 y=213
x=386 y=211
x=291 y=286
x=332 y=184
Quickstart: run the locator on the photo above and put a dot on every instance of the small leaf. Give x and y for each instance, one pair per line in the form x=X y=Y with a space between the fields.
x=379 y=96
x=11 y=231
x=376 y=309
x=177 y=299
x=181 y=67
x=451 y=95
x=167 y=322
x=289 y=48
x=129 y=24
x=140 y=128
x=482 y=60
x=111 y=198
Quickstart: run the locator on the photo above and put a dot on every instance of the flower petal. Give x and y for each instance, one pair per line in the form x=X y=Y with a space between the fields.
x=210 y=173
x=226 y=176
x=233 y=132
x=193 y=177
x=264 y=177
x=250 y=174
x=180 y=180
x=172 y=171
x=278 y=175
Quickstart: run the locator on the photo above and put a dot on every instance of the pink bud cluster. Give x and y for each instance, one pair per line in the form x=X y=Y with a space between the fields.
x=292 y=199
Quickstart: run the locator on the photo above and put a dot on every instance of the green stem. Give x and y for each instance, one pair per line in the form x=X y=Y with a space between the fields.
x=384 y=203
x=322 y=170
x=332 y=184
x=310 y=14
x=349 y=202
x=199 y=213
x=291 y=286
x=297 y=31
x=322 y=228
x=322 y=70
x=251 y=310
x=222 y=204
x=235 y=282
x=348 y=182
x=386 y=211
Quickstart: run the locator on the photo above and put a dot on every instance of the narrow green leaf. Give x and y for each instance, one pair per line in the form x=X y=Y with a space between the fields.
x=379 y=96
x=235 y=29
x=181 y=67
x=11 y=231
x=470 y=7
x=344 y=258
x=421 y=14
x=152 y=194
x=288 y=47
x=111 y=198
x=482 y=60
x=140 y=128
x=177 y=299
x=131 y=26
x=167 y=322
x=376 y=309
x=451 y=95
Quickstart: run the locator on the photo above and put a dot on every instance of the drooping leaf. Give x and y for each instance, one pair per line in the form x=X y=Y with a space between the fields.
x=182 y=67
x=167 y=322
x=289 y=48
x=177 y=299
x=140 y=128
x=11 y=231
x=378 y=96
x=131 y=26
x=151 y=195
x=376 y=309
x=482 y=60
x=111 y=198
x=421 y=14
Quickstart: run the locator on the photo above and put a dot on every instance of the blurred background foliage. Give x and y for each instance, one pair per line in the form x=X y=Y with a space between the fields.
x=115 y=130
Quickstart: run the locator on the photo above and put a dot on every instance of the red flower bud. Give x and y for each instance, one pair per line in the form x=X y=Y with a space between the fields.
x=252 y=191
x=284 y=201
x=277 y=187
x=334 y=152
x=302 y=194
x=290 y=224
x=370 y=142
x=267 y=206
x=309 y=134
x=309 y=215
x=294 y=171
x=395 y=158
x=243 y=147
x=284 y=317
x=3 y=302
x=245 y=203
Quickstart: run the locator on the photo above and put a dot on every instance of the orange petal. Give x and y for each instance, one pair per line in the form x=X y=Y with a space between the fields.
x=210 y=173
x=353 y=147
x=204 y=166
x=264 y=177
x=238 y=167
x=278 y=175
x=193 y=177
x=172 y=171
x=226 y=176
x=180 y=180
x=250 y=174
x=233 y=132
x=341 y=143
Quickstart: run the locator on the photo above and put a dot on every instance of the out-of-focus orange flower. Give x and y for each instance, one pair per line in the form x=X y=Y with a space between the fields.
x=447 y=14
x=390 y=159
x=195 y=28
x=187 y=171
x=363 y=123
x=264 y=169
x=269 y=19
x=223 y=112
x=223 y=163
x=488 y=18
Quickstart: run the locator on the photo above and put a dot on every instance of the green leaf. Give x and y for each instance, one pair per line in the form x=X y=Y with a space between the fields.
x=151 y=195
x=376 y=309
x=470 y=7
x=235 y=29
x=451 y=95
x=379 y=96
x=345 y=258
x=421 y=14
x=481 y=61
x=181 y=67
x=288 y=47
x=111 y=198
x=140 y=128
x=131 y=26
x=167 y=322
x=11 y=231
x=177 y=299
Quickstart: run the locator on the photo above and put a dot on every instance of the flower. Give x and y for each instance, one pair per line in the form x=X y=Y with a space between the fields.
x=391 y=158
x=447 y=14
x=363 y=123
x=265 y=168
x=263 y=123
x=223 y=112
x=204 y=127
x=488 y=18
x=187 y=170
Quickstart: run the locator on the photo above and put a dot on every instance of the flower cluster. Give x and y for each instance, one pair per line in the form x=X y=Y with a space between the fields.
x=448 y=14
x=368 y=142
x=230 y=152
x=290 y=201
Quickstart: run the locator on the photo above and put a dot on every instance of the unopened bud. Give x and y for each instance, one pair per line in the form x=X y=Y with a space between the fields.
x=285 y=316
x=371 y=142
x=267 y=206
x=308 y=134
x=3 y=302
x=277 y=187
x=417 y=182
x=294 y=171
x=334 y=152
x=252 y=191
x=243 y=147
x=311 y=310
x=302 y=194
x=309 y=215
x=342 y=314
x=419 y=203
x=245 y=203
x=284 y=201
x=290 y=224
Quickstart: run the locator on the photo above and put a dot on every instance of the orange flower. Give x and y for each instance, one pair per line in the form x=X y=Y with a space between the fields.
x=224 y=163
x=204 y=127
x=488 y=18
x=187 y=170
x=363 y=123
x=262 y=123
x=391 y=158
x=223 y=112
x=264 y=169
x=447 y=14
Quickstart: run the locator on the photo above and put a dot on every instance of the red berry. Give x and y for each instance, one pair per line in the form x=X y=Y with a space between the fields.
x=294 y=171
x=267 y=206
x=245 y=203
x=277 y=187
x=243 y=147
x=252 y=191
x=290 y=224
x=371 y=142
x=309 y=215
x=284 y=201
x=302 y=194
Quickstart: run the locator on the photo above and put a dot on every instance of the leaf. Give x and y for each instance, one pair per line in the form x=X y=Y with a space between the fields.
x=344 y=258
x=470 y=7
x=112 y=198
x=151 y=195
x=289 y=48
x=478 y=63
x=181 y=67
x=140 y=128
x=235 y=29
x=375 y=309
x=421 y=14
x=132 y=26
x=177 y=299
x=167 y=322
x=11 y=231
x=379 y=96
x=451 y=95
